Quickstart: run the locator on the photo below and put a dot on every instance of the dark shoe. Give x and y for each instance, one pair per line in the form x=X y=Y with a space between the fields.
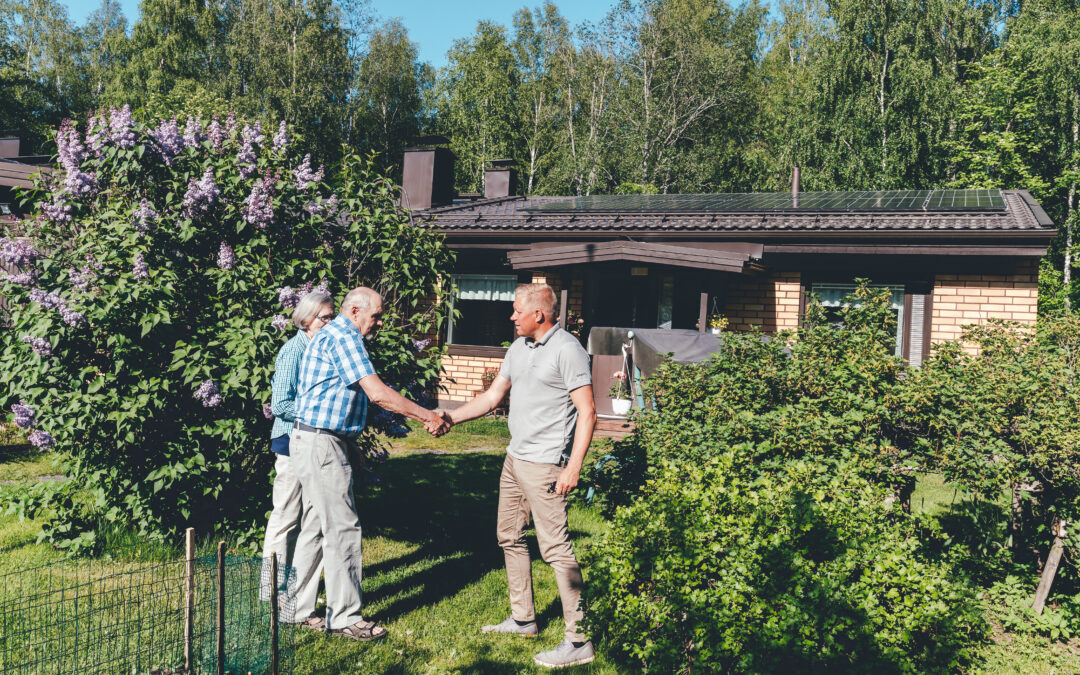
x=565 y=655
x=313 y=623
x=511 y=627
x=363 y=631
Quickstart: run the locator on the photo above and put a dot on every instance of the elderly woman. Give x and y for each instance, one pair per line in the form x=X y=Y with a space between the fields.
x=314 y=311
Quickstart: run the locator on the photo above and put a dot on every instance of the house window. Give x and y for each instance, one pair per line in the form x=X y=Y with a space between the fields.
x=484 y=303
x=832 y=296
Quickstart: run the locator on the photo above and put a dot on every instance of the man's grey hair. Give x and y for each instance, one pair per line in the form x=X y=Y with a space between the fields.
x=361 y=298
x=308 y=308
x=539 y=296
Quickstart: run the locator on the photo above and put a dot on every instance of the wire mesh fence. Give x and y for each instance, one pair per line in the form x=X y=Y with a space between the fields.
x=210 y=616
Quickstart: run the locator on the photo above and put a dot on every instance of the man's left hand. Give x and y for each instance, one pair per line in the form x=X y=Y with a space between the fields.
x=568 y=480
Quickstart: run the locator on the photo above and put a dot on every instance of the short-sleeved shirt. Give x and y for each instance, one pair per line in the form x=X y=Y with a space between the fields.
x=542 y=374
x=329 y=395
x=283 y=386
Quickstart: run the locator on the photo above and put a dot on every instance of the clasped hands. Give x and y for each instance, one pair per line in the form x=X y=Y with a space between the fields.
x=439 y=423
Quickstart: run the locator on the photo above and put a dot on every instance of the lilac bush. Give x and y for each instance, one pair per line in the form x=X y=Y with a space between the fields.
x=153 y=291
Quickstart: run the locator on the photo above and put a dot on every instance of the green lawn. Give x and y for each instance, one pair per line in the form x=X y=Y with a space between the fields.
x=433 y=572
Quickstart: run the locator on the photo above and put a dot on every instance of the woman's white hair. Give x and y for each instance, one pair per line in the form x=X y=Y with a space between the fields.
x=308 y=308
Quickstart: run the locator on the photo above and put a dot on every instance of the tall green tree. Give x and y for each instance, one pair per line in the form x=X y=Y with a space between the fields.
x=477 y=101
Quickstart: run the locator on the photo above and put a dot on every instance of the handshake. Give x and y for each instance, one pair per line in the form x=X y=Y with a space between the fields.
x=438 y=423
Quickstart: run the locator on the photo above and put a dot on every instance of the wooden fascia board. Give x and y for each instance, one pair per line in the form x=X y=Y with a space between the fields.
x=541 y=253
x=909 y=249
x=1019 y=236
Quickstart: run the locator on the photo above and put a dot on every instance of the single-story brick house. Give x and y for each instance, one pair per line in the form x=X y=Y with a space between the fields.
x=950 y=257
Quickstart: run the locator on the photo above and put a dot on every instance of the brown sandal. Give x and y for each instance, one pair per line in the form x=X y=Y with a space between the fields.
x=363 y=631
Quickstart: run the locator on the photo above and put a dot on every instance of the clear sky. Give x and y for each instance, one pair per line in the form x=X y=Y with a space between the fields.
x=433 y=24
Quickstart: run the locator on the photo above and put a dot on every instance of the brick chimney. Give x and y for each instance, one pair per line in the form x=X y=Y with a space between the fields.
x=9 y=146
x=501 y=179
x=427 y=174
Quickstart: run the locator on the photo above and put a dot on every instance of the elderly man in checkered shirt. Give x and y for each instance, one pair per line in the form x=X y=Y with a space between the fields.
x=336 y=382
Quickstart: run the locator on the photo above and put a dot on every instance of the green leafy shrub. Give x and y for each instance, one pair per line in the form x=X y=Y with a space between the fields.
x=826 y=392
x=717 y=568
x=1001 y=408
x=152 y=297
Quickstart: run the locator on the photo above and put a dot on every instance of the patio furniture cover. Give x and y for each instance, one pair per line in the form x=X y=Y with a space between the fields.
x=651 y=345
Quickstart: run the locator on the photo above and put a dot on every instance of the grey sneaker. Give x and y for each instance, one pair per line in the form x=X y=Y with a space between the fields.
x=565 y=655
x=510 y=626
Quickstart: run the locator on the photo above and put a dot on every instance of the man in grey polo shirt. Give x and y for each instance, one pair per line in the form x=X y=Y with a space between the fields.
x=552 y=416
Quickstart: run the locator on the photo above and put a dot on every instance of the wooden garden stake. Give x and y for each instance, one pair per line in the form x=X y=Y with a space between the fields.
x=189 y=596
x=274 y=614
x=1050 y=569
x=221 y=608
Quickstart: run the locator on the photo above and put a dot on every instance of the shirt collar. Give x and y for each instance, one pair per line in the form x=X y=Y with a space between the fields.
x=543 y=341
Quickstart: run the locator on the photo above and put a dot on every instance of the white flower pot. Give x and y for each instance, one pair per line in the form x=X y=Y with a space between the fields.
x=714 y=331
x=620 y=406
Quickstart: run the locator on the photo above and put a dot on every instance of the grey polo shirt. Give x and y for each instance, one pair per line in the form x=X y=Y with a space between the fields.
x=542 y=374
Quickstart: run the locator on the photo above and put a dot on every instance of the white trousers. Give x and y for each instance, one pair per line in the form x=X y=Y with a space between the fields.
x=295 y=545
x=325 y=473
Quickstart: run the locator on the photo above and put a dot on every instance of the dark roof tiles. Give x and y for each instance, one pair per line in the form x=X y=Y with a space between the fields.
x=506 y=215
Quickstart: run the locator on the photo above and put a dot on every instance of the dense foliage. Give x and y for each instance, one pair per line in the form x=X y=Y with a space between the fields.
x=153 y=294
x=717 y=568
x=828 y=395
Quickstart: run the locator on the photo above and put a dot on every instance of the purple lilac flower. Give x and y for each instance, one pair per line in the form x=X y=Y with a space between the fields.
x=121 y=128
x=259 y=206
x=145 y=216
x=80 y=183
x=230 y=124
x=201 y=194
x=140 y=270
x=58 y=211
x=22 y=278
x=18 y=252
x=279 y=322
x=225 y=259
x=71 y=317
x=41 y=439
x=288 y=297
x=39 y=345
x=24 y=414
x=69 y=148
x=209 y=394
x=305 y=176
x=421 y=345
x=216 y=133
x=193 y=132
x=281 y=138
x=267 y=412
x=81 y=278
x=50 y=300
x=170 y=142
x=96 y=135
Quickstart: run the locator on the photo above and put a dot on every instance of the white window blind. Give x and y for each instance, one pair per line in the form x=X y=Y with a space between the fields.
x=485 y=287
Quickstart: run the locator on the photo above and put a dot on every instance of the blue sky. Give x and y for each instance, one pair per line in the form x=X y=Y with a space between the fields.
x=433 y=24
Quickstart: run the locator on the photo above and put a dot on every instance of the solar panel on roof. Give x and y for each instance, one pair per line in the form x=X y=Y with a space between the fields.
x=869 y=200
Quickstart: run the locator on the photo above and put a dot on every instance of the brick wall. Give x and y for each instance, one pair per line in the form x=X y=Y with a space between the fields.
x=962 y=299
x=770 y=302
x=466 y=373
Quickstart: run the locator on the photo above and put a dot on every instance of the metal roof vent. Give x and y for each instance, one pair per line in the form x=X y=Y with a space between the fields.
x=501 y=179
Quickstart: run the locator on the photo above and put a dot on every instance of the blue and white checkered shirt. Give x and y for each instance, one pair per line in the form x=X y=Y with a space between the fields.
x=329 y=395
x=283 y=386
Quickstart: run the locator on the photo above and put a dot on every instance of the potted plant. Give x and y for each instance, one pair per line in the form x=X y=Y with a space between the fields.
x=717 y=323
x=619 y=393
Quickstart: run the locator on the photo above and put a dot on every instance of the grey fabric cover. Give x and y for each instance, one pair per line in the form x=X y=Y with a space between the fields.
x=651 y=345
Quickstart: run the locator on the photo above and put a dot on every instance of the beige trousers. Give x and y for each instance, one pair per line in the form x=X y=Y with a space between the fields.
x=325 y=473
x=283 y=536
x=523 y=490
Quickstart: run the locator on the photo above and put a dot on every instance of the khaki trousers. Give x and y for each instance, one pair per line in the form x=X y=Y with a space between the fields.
x=322 y=465
x=291 y=546
x=523 y=490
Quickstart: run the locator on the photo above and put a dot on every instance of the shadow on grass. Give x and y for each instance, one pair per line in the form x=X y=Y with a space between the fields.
x=981 y=528
x=446 y=506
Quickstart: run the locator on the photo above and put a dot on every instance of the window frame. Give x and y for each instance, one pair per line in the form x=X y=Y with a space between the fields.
x=453 y=300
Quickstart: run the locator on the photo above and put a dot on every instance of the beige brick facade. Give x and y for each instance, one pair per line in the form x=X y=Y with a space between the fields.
x=463 y=376
x=963 y=299
x=769 y=302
